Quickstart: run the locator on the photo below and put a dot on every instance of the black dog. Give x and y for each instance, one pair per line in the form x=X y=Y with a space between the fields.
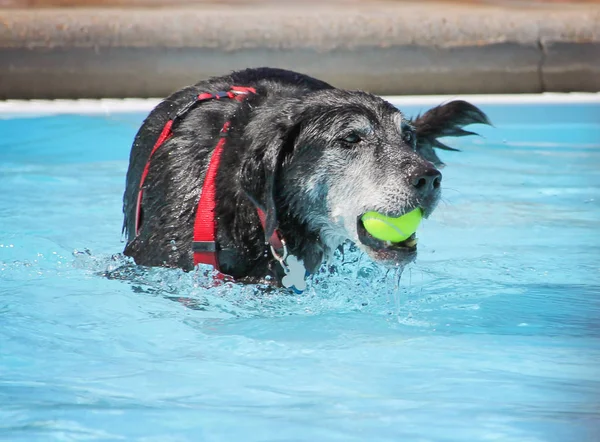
x=286 y=165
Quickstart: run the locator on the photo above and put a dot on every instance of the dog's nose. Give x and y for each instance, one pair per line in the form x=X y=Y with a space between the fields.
x=426 y=179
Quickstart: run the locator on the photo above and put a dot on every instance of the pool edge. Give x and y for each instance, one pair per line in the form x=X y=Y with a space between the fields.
x=386 y=48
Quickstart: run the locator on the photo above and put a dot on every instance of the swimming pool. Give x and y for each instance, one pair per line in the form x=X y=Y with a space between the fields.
x=494 y=334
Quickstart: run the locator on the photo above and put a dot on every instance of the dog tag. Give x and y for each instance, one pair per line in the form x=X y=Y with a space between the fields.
x=295 y=274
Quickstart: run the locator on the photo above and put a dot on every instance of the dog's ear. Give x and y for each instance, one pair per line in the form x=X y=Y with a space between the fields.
x=270 y=143
x=446 y=120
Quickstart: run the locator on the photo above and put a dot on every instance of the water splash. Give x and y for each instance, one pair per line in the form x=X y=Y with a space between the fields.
x=352 y=282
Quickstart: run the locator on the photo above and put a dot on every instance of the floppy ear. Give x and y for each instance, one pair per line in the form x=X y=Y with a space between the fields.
x=446 y=120
x=270 y=142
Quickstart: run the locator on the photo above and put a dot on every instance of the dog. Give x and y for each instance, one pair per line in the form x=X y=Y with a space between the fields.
x=265 y=172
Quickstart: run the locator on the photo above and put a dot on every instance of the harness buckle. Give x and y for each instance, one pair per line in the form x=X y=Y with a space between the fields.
x=204 y=247
x=185 y=109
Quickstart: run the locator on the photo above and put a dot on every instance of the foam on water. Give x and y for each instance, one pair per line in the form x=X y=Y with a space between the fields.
x=493 y=334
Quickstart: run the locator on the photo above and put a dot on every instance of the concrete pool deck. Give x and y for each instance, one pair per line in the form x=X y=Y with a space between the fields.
x=389 y=48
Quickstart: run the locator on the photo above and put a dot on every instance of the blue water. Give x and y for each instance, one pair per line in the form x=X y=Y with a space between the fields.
x=493 y=335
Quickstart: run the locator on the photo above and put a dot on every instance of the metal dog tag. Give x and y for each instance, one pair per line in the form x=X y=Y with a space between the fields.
x=295 y=274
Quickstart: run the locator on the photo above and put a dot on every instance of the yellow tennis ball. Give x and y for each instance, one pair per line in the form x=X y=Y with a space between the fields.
x=390 y=229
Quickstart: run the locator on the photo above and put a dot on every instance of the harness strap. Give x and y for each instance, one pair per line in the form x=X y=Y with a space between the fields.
x=164 y=135
x=204 y=244
x=235 y=92
x=275 y=241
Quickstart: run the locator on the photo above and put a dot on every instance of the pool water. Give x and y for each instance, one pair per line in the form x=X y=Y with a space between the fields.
x=493 y=334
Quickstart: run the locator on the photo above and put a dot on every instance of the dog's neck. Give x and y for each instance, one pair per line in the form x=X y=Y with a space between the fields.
x=245 y=251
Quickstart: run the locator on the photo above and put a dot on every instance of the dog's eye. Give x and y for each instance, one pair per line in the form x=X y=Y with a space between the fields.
x=352 y=138
x=409 y=137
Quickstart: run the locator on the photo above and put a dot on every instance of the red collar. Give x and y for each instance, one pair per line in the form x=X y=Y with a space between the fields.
x=204 y=247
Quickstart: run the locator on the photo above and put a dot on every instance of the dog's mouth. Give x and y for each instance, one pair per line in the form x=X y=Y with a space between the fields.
x=387 y=252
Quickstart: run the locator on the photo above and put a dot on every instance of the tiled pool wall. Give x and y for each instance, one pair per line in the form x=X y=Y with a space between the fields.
x=393 y=47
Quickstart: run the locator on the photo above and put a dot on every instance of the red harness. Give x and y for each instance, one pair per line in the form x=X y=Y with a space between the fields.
x=204 y=246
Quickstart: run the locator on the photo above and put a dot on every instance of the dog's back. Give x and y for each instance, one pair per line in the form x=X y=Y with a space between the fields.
x=274 y=81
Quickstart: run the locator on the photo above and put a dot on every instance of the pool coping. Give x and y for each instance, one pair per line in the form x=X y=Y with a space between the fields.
x=388 y=48
x=31 y=108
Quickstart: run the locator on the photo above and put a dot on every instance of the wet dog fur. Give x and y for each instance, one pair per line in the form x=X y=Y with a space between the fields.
x=313 y=157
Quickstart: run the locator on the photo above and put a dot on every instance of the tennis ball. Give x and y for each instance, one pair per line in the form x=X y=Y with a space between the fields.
x=390 y=229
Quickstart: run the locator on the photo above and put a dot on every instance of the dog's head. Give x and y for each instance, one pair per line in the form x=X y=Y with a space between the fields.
x=333 y=156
